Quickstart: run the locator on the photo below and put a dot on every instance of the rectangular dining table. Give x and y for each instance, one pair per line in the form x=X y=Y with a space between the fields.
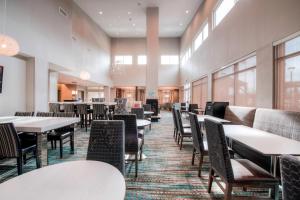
x=263 y=142
x=39 y=126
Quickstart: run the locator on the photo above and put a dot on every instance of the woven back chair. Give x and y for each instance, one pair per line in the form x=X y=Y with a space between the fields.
x=139 y=112
x=99 y=111
x=176 y=129
x=95 y=99
x=101 y=99
x=107 y=143
x=24 y=114
x=290 y=177
x=82 y=111
x=147 y=107
x=54 y=107
x=64 y=114
x=193 y=107
x=69 y=108
x=44 y=114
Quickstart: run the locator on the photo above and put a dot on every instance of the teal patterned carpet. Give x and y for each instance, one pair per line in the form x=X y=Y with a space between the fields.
x=165 y=173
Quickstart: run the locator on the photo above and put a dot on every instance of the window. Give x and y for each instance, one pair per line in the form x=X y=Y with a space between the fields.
x=142 y=60
x=222 y=10
x=187 y=92
x=201 y=37
x=288 y=75
x=236 y=83
x=199 y=92
x=169 y=60
x=123 y=60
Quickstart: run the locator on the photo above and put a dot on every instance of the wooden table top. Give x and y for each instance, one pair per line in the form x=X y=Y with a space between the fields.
x=76 y=180
x=261 y=141
x=38 y=124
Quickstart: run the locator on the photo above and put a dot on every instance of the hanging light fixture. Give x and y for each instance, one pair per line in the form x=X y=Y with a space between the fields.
x=8 y=45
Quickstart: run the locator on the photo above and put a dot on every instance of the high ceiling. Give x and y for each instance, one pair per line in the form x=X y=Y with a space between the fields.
x=127 y=18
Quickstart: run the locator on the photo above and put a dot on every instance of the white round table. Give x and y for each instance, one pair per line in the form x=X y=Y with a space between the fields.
x=142 y=123
x=76 y=180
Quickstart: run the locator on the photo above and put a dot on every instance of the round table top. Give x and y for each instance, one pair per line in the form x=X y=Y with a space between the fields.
x=142 y=122
x=76 y=180
x=148 y=112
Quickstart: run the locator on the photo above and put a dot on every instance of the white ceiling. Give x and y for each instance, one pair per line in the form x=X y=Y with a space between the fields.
x=116 y=21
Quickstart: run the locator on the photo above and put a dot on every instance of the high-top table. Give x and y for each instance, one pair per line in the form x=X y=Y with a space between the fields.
x=201 y=119
x=39 y=126
x=266 y=143
x=76 y=180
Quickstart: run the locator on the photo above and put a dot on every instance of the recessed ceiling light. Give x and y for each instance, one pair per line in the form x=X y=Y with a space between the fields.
x=133 y=24
x=129 y=13
x=187 y=11
x=100 y=12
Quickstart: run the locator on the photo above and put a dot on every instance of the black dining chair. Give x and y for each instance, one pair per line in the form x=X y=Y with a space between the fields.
x=199 y=145
x=107 y=143
x=182 y=132
x=44 y=114
x=83 y=112
x=233 y=172
x=99 y=112
x=133 y=143
x=69 y=108
x=147 y=107
x=24 y=114
x=290 y=177
x=12 y=147
x=193 y=108
x=139 y=112
x=62 y=135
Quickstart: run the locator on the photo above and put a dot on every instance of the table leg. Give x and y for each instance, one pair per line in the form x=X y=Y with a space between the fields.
x=42 y=150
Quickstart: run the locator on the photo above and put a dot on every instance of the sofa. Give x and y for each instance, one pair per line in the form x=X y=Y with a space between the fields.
x=283 y=123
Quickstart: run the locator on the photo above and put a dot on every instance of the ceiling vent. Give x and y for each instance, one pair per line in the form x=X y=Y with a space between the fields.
x=63 y=12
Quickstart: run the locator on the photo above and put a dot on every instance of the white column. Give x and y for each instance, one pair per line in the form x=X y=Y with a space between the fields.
x=53 y=80
x=152 y=52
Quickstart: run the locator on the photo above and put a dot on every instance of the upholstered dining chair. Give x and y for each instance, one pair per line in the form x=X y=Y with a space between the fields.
x=290 y=177
x=107 y=143
x=62 y=135
x=69 y=108
x=139 y=112
x=12 y=147
x=133 y=141
x=147 y=107
x=82 y=111
x=199 y=145
x=182 y=131
x=233 y=172
x=44 y=114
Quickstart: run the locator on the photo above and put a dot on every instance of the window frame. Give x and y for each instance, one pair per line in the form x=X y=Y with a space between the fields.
x=123 y=60
x=138 y=59
x=169 y=56
x=214 y=24
x=201 y=32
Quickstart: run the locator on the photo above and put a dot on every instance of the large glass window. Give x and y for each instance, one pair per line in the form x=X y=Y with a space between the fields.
x=123 y=60
x=222 y=10
x=169 y=60
x=236 y=83
x=142 y=60
x=199 y=92
x=288 y=75
x=201 y=36
x=187 y=93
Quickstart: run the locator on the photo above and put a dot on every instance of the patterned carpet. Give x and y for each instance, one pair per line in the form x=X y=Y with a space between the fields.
x=165 y=173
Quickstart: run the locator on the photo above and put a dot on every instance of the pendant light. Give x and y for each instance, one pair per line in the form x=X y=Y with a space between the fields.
x=8 y=45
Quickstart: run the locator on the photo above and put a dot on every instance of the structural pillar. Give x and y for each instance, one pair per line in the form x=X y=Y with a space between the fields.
x=152 y=52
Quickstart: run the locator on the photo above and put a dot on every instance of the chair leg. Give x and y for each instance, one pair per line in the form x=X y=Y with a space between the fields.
x=20 y=164
x=136 y=164
x=276 y=192
x=200 y=164
x=141 y=153
x=193 y=157
x=54 y=144
x=85 y=123
x=228 y=191
x=61 y=148
x=72 y=142
x=210 y=179
x=181 y=141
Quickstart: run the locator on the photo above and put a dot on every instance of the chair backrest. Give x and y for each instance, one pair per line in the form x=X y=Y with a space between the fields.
x=240 y=115
x=179 y=121
x=95 y=99
x=174 y=118
x=208 y=108
x=54 y=107
x=279 y=122
x=196 y=132
x=64 y=114
x=139 y=112
x=218 y=150
x=107 y=143
x=9 y=141
x=131 y=132
x=44 y=114
x=82 y=109
x=154 y=105
x=69 y=108
x=147 y=107
x=290 y=177
x=98 y=109
x=192 y=108
x=24 y=114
